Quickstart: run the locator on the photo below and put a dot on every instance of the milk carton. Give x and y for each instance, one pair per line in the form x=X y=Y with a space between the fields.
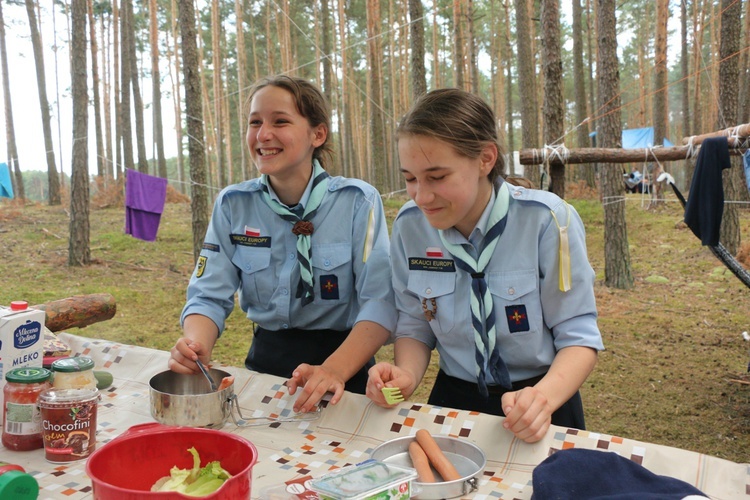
x=21 y=340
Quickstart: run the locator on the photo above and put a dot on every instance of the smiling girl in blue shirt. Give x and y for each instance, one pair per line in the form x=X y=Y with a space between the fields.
x=306 y=252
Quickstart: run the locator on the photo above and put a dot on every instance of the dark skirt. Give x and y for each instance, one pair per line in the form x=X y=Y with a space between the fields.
x=280 y=352
x=460 y=394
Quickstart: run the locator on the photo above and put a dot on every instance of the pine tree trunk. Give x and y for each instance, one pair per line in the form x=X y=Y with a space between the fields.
x=218 y=94
x=10 y=133
x=126 y=78
x=156 y=90
x=416 y=43
x=107 y=47
x=617 y=270
x=745 y=71
x=117 y=73
x=509 y=60
x=554 y=103
x=579 y=83
x=375 y=104
x=79 y=253
x=194 y=118
x=100 y=155
x=177 y=98
x=729 y=76
x=659 y=119
x=53 y=178
x=245 y=167
x=685 y=71
x=527 y=86
x=135 y=85
x=458 y=45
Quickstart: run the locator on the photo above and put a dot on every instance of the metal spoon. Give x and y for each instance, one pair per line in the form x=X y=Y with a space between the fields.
x=214 y=387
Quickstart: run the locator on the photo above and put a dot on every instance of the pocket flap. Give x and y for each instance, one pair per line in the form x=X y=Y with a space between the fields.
x=331 y=256
x=431 y=284
x=512 y=285
x=251 y=260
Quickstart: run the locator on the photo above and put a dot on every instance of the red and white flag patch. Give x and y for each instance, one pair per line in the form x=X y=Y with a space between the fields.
x=251 y=231
x=434 y=252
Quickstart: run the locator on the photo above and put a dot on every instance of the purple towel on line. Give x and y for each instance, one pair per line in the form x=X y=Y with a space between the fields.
x=144 y=203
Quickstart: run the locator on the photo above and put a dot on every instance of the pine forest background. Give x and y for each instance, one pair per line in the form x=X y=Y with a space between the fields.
x=365 y=53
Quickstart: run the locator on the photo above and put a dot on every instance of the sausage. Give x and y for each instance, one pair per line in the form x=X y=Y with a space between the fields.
x=226 y=382
x=420 y=462
x=436 y=456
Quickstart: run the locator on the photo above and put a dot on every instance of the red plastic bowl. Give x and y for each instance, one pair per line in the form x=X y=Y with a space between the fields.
x=127 y=467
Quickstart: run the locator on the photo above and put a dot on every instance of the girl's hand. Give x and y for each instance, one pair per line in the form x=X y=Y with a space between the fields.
x=183 y=356
x=388 y=375
x=315 y=381
x=528 y=414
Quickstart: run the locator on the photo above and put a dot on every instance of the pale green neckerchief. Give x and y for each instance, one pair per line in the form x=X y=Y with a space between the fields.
x=303 y=227
x=482 y=306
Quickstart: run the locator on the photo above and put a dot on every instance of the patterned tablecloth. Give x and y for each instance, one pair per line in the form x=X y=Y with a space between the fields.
x=347 y=433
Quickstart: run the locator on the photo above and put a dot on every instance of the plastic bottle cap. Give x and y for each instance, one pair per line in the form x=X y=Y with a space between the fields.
x=18 y=485
x=19 y=305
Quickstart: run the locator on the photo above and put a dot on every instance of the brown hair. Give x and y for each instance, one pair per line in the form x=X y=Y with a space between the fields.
x=311 y=103
x=458 y=118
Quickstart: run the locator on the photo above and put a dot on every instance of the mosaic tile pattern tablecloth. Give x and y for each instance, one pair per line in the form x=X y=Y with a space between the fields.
x=346 y=434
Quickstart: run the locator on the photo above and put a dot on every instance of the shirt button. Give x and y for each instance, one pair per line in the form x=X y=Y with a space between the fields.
x=248 y=267
x=517 y=193
x=511 y=291
x=284 y=326
x=291 y=255
x=284 y=291
x=428 y=291
x=327 y=263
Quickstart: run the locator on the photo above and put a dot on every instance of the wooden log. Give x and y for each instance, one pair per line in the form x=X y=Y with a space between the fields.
x=595 y=155
x=609 y=155
x=741 y=132
x=77 y=311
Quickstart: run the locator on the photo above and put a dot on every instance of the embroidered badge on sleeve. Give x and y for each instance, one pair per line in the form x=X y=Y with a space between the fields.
x=329 y=287
x=201 y=267
x=518 y=321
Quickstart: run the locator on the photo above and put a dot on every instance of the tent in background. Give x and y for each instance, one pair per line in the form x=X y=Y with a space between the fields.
x=6 y=185
x=635 y=138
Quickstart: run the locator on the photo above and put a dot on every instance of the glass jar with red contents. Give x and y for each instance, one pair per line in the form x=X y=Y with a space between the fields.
x=22 y=429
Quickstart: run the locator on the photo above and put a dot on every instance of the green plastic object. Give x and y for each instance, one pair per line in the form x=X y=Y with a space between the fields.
x=18 y=486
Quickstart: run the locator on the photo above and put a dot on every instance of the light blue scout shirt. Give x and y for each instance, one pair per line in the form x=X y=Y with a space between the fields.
x=534 y=319
x=250 y=249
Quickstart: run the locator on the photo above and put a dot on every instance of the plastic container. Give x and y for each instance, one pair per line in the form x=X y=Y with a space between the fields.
x=147 y=452
x=366 y=481
x=22 y=430
x=15 y=483
x=73 y=373
x=68 y=423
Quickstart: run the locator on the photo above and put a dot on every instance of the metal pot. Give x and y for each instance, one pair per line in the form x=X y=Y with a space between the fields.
x=467 y=457
x=179 y=399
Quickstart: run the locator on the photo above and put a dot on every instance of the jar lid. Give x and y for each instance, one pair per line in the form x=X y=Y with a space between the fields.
x=18 y=305
x=76 y=364
x=18 y=485
x=28 y=375
x=66 y=396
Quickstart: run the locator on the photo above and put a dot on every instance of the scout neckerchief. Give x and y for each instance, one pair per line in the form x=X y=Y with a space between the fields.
x=303 y=227
x=487 y=353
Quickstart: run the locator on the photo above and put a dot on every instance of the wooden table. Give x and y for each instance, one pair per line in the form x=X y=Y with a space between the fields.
x=347 y=433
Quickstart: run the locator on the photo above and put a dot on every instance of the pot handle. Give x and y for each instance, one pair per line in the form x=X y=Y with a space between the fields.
x=246 y=421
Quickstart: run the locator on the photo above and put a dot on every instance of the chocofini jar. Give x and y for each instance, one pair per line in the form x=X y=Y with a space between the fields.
x=73 y=373
x=22 y=430
x=68 y=423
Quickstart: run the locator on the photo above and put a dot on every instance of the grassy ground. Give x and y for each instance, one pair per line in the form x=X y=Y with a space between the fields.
x=674 y=371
